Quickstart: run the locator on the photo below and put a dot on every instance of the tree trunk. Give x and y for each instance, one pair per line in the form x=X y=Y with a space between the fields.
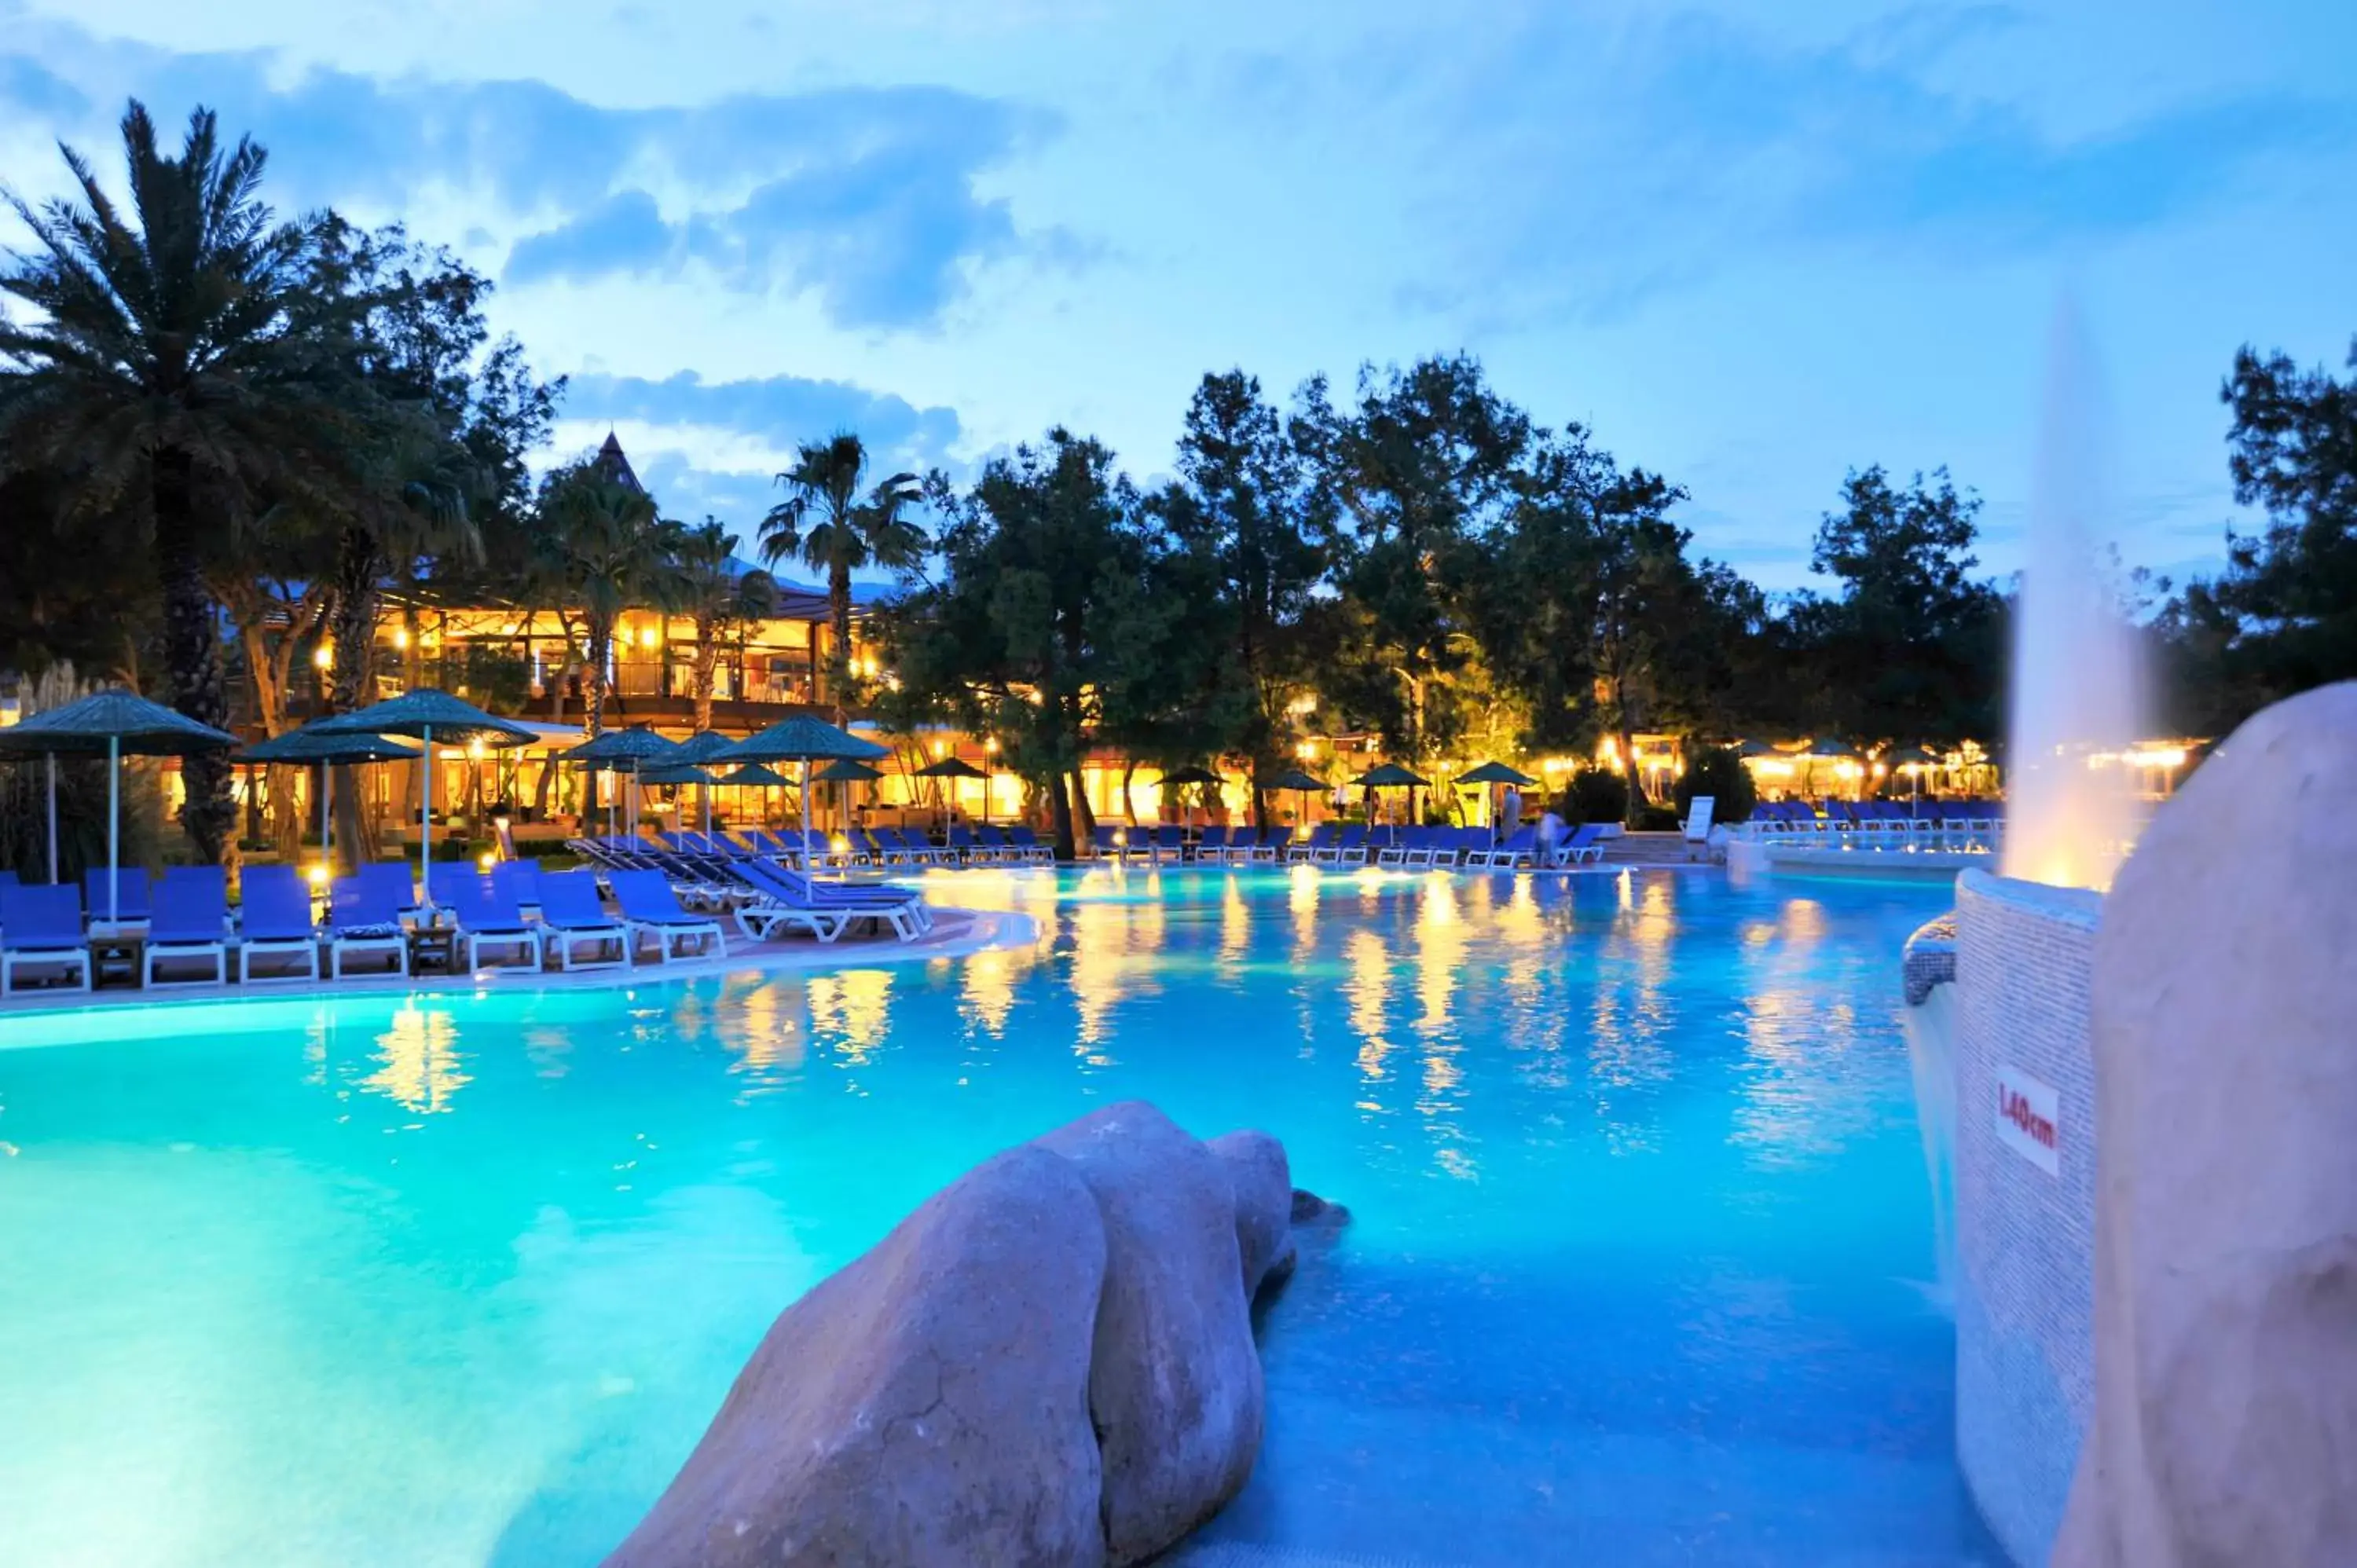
x=593 y=680
x=593 y=708
x=1128 y=806
x=359 y=573
x=1059 y=806
x=707 y=662
x=192 y=658
x=838 y=605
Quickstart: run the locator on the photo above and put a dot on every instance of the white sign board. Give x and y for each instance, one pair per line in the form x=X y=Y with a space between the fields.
x=2029 y=1119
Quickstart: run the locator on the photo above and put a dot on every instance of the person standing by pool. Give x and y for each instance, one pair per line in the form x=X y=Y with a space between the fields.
x=1550 y=833
x=1510 y=816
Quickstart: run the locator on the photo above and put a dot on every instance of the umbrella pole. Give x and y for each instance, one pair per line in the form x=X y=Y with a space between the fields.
x=324 y=852
x=53 y=819
x=808 y=869
x=113 y=829
x=426 y=821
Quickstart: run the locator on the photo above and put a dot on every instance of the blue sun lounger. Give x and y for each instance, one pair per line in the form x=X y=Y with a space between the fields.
x=650 y=909
x=40 y=930
x=488 y=918
x=572 y=917
x=365 y=918
x=899 y=908
x=275 y=919
x=785 y=903
x=189 y=924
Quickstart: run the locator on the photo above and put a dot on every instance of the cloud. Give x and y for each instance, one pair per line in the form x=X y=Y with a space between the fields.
x=1566 y=170
x=865 y=196
x=623 y=232
x=778 y=410
x=715 y=447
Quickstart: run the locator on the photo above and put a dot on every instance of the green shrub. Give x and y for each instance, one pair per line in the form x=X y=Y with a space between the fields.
x=1718 y=772
x=1656 y=820
x=1597 y=795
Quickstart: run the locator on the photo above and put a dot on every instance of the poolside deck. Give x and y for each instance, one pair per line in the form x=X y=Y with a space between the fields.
x=956 y=933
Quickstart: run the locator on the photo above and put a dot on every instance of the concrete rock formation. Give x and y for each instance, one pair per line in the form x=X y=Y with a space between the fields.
x=2226 y=1418
x=1263 y=1196
x=1050 y=1362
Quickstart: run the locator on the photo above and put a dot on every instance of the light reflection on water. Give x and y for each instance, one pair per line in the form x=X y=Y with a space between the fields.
x=1636 y=1187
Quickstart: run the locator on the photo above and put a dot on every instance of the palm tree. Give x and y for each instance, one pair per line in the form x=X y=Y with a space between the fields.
x=175 y=365
x=718 y=596
x=609 y=551
x=823 y=521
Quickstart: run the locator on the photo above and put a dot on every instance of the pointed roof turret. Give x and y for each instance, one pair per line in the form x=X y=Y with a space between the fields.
x=615 y=465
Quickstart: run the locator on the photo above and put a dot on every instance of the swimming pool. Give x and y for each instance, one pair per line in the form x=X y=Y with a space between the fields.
x=1636 y=1272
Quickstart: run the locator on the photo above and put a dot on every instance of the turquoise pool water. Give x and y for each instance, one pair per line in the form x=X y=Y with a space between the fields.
x=1636 y=1275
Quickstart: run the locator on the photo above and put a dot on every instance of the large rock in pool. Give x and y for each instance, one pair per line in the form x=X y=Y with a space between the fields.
x=2225 y=1409
x=1175 y=1382
x=1049 y=1363
x=1261 y=1185
x=927 y=1404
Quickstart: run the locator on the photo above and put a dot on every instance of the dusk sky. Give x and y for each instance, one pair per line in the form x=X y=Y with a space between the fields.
x=1749 y=242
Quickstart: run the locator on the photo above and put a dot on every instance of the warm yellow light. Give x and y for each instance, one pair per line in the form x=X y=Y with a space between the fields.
x=1120 y=836
x=401 y=636
x=476 y=750
x=483 y=860
x=990 y=744
x=2157 y=757
x=323 y=657
x=940 y=748
x=1773 y=766
x=1879 y=770
x=1305 y=703
x=318 y=875
x=1306 y=750
x=842 y=846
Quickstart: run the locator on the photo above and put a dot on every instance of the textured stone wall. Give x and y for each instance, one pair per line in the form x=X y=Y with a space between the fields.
x=2024 y=1234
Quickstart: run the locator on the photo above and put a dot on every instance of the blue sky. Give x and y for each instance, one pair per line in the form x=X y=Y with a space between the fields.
x=1750 y=243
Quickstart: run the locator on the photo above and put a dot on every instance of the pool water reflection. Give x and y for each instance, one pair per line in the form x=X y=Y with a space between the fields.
x=1634 y=1278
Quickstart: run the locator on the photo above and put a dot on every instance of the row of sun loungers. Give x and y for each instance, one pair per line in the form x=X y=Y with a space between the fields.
x=1340 y=845
x=1919 y=822
x=517 y=917
x=763 y=893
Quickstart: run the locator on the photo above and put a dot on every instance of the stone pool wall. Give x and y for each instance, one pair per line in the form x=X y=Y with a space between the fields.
x=2025 y=1200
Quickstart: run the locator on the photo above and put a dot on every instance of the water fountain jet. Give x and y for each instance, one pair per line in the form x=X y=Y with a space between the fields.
x=2077 y=700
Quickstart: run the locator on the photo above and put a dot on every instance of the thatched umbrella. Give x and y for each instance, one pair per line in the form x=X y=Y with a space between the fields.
x=425 y=713
x=705 y=746
x=625 y=751
x=1911 y=761
x=326 y=749
x=1390 y=776
x=804 y=740
x=1191 y=775
x=959 y=767
x=118 y=723
x=756 y=776
x=1296 y=779
x=1491 y=774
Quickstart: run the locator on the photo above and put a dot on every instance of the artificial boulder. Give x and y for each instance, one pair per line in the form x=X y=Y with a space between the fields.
x=2225 y=1313
x=1261 y=1185
x=926 y=1405
x=1050 y=1362
x=1174 y=1379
